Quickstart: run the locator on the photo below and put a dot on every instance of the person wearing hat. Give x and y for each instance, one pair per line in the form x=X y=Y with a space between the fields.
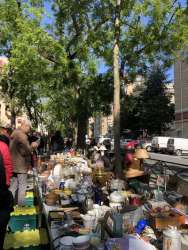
x=21 y=151
x=95 y=154
x=6 y=167
x=105 y=158
x=99 y=157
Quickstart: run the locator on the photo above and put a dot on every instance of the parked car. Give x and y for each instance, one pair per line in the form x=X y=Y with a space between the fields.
x=177 y=146
x=126 y=142
x=159 y=143
x=146 y=144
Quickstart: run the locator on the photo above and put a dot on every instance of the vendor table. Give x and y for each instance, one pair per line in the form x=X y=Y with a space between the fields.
x=44 y=211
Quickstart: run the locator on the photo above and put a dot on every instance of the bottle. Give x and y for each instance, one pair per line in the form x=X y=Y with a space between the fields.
x=171 y=239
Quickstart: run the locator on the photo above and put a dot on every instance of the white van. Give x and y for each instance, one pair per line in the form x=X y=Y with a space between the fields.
x=177 y=146
x=159 y=143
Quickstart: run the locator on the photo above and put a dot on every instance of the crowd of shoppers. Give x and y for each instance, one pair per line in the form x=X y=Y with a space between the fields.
x=15 y=161
x=18 y=151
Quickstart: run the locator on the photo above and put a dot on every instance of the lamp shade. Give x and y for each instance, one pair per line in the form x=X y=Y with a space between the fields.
x=141 y=153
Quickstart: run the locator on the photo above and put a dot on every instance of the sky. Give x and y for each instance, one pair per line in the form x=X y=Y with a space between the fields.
x=101 y=64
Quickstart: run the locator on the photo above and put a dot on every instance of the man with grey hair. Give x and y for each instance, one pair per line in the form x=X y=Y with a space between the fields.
x=21 y=157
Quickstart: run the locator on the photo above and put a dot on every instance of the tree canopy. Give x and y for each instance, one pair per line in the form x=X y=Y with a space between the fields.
x=53 y=68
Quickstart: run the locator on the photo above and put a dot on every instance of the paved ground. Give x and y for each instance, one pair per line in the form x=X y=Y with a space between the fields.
x=170 y=160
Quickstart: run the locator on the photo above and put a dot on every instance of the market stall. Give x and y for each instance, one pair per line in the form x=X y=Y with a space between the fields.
x=86 y=207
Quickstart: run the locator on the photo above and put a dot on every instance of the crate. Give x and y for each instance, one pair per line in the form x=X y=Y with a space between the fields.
x=22 y=216
x=17 y=223
x=29 y=199
x=27 y=240
x=29 y=202
x=24 y=211
x=27 y=248
x=29 y=194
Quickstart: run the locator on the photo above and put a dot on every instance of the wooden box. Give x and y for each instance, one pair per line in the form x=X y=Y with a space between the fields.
x=164 y=220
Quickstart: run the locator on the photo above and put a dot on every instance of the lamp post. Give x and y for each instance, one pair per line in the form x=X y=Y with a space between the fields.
x=181 y=98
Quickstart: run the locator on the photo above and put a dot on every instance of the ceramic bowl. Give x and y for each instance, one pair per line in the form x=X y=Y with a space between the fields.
x=116 y=197
x=66 y=243
x=81 y=242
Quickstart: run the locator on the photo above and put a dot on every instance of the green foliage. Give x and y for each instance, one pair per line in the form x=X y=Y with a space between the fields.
x=32 y=54
x=52 y=73
x=156 y=109
x=151 y=109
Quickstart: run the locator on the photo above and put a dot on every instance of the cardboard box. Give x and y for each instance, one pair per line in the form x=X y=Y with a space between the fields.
x=164 y=220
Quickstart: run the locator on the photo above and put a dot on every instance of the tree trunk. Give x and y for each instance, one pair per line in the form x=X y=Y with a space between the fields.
x=75 y=133
x=82 y=131
x=116 y=113
x=13 y=118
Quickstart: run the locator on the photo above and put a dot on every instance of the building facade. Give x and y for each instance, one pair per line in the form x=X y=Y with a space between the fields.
x=5 y=115
x=181 y=98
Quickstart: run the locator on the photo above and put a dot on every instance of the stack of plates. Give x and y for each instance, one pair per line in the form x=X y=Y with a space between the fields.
x=72 y=243
x=81 y=243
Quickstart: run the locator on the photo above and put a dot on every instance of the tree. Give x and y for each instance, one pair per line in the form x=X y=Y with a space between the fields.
x=48 y=69
x=116 y=56
x=72 y=29
x=26 y=45
x=152 y=108
x=155 y=107
x=74 y=107
x=143 y=30
x=139 y=33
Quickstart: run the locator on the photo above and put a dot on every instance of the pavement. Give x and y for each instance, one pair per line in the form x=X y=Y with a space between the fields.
x=176 y=162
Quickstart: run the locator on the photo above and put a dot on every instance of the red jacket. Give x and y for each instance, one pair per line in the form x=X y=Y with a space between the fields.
x=7 y=161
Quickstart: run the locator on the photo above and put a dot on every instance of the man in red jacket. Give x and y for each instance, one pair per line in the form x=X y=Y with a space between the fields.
x=6 y=167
